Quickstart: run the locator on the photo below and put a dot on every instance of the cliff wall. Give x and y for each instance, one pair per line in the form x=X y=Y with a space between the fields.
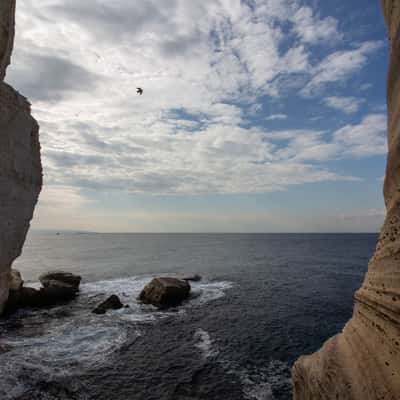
x=363 y=362
x=20 y=166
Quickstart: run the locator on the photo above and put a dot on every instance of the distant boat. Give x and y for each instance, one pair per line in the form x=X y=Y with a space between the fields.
x=57 y=233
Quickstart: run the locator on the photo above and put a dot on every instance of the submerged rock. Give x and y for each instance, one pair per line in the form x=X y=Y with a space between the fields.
x=165 y=292
x=112 y=303
x=192 y=278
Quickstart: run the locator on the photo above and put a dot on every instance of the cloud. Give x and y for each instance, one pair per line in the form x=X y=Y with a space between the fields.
x=365 y=86
x=273 y=117
x=339 y=67
x=219 y=158
x=147 y=220
x=204 y=66
x=312 y=29
x=348 y=105
x=254 y=109
x=50 y=78
x=54 y=197
x=365 y=139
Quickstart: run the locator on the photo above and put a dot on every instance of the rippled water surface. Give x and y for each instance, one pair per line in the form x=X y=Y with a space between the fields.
x=263 y=301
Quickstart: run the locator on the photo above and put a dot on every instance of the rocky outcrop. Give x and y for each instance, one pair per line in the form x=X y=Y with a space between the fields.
x=165 y=292
x=363 y=362
x=57 y=287
x=20 y=166
x=50 y=279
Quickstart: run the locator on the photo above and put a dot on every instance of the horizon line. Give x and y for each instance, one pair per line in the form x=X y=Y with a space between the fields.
x=203 y=233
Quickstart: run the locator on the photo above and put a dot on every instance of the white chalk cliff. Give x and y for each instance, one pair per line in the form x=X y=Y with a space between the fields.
x=363 y=362
x=20 y=166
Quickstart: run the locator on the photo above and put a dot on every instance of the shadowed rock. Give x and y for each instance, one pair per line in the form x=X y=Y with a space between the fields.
x=57 y=287
x=112 y=303
x=58 y=291
x=29 y=297
x=20 y=165
x=51 y=278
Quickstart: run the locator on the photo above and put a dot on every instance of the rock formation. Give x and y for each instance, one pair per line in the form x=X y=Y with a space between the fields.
x=363 y=362
x=165 y=292
x=20 y=166
x=57 y=287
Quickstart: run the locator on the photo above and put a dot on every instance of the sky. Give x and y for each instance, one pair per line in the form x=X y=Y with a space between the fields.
x=256 y=116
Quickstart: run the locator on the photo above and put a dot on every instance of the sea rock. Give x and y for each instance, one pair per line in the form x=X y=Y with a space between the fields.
x=363 y=362
x=25 y=297
x=20 y=165
x=57 y=287
x=112 y=303
x=51 y=278
x=55 y=291
x=29 y=297
x=54 y=294
x=165 y=292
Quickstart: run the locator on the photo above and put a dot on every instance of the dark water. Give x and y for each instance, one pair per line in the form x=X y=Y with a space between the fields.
x=264 y=300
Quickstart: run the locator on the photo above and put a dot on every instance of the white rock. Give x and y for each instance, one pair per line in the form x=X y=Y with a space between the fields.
x=363 y=362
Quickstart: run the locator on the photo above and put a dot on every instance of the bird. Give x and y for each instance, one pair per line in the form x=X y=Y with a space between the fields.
x=139 y=91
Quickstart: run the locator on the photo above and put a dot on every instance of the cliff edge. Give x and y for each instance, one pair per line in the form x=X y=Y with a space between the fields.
x=363 y=362
x=20 y=165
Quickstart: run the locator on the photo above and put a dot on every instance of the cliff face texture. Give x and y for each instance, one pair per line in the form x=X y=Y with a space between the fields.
x=20 y=166
x=363 y=362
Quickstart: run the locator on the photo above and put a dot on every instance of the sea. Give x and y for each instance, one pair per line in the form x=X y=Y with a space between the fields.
x=264 y=300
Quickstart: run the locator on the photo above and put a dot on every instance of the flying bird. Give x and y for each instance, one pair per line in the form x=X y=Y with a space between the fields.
x=139 y=91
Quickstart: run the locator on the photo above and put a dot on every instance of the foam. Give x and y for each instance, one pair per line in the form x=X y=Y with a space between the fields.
x=205 y=344
x=258 y=383
x=206 y=292
x=68 y=340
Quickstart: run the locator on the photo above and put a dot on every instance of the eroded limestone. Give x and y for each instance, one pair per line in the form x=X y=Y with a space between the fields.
x=363 y=362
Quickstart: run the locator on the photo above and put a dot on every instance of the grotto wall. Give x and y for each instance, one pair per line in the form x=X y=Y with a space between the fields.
x=20 y=165
x=363 y=362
